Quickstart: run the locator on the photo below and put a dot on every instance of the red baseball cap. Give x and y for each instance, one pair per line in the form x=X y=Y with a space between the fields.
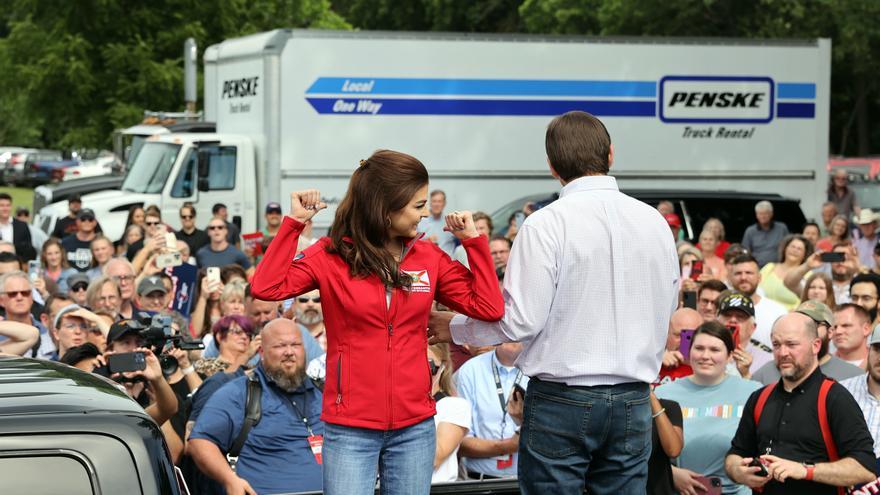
x=673 y=220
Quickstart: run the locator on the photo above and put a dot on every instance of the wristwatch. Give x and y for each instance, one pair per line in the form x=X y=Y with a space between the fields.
x=810 y=468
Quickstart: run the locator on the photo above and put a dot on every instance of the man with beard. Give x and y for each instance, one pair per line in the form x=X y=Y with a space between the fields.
x=831 y=366
x=790 y=426
x=744 y=277
x=864 y=290
x=282 y=452
x=865 y=389
x=850 y=334
x=310 y=316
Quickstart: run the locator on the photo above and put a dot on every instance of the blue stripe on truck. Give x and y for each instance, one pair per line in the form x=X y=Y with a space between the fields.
x=796 y=110
x=382 y=106
x=482 y=87
x=796 y=91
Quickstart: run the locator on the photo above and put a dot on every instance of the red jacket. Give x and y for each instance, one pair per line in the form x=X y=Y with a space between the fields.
x=377 y=365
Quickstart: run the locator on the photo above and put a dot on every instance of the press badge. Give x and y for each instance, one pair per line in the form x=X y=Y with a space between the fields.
x=504 y=461
x=316 y=442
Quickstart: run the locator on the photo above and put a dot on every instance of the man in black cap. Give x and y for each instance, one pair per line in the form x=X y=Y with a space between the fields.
x=79 y=244
x=67 y=225
x=151 y=294
x=77 y=285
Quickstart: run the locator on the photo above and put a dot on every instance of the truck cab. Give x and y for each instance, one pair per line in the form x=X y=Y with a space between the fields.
x=63 y=430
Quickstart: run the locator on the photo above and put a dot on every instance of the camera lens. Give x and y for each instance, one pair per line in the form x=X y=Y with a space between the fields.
x=169 y=364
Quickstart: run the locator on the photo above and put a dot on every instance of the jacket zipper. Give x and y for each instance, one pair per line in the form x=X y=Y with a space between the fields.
x=339 y=380
x=390 y=327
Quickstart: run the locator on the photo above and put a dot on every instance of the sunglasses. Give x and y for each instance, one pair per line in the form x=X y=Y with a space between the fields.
x=216 y=227
x=87 y=219
x=79 y=287
x=22 y=293
x=151 y=224
x=304 y=300
x=187 y=217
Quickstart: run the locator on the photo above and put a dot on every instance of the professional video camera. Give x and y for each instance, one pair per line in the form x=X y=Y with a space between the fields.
x=160 y=337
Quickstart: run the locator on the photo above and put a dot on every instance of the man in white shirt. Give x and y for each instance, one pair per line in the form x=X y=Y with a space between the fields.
x=745 y=276
x=591 y=284
x=433 y=224
x=865 y=389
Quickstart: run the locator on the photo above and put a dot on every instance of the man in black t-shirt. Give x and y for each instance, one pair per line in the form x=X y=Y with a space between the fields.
x=67 y=225
x=79 y=244
x=195 y=238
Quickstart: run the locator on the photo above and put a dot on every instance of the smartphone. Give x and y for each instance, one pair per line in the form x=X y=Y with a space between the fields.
x=696 y=269
x=519 y=218
x=690 y=299
x=832 y=257
x=519 y=392
x=712 y=484
x=34 y=270
x=687 y=338
x=127 y=361
x=169 y=260
x=734 y=329
x=213 y=274
x=757 y=463
x=170 y=240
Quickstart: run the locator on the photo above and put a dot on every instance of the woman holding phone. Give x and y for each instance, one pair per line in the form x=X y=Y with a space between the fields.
x=711 y=403
x=378 y=281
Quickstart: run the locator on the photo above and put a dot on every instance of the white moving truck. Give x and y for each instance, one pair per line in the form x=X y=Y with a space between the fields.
x=298 y=109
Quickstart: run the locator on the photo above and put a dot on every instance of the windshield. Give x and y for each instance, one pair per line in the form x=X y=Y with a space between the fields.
x=137 y=142
x=150 y=169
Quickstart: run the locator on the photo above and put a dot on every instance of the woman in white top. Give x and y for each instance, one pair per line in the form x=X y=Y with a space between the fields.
x=453 y=419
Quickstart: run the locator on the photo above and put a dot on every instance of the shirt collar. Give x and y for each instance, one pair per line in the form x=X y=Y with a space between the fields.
x=590 y=183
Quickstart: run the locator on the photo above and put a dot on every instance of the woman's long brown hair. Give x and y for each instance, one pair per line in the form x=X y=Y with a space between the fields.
x=383 y=184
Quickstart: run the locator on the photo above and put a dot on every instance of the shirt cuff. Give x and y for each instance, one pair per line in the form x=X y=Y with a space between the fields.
x=458 y=328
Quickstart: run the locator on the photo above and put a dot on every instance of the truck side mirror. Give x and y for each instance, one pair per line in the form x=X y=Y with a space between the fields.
x=204 y=166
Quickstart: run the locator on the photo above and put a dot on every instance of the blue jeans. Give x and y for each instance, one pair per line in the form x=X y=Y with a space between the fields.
x=404 y=457
x=572 y=437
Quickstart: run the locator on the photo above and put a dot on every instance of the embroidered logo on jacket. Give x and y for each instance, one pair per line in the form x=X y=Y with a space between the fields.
x=420 y=280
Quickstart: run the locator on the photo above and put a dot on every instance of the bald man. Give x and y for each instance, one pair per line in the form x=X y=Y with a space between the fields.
x=278 y=455
x=674 y=364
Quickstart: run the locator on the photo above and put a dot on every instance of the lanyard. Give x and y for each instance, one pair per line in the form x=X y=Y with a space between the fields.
x=305 y=419
x=500 y=390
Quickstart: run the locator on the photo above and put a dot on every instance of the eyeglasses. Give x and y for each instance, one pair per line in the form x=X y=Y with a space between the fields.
x=74 y=326
x=79 y=287
x=304 y=300
x=216 y=227
x=238 y=331
x=123 y=278
x=22 y=293
x=187 y=217
x=87 y=219
x=151 y=224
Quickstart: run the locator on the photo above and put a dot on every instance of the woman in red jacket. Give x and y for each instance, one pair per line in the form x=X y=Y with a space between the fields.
x=377 y=281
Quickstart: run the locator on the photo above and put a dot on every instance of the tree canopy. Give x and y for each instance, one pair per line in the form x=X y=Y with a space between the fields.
x=76 y=69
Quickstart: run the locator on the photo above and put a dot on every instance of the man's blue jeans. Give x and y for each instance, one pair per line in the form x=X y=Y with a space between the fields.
x=404 y=457
x=572 y=437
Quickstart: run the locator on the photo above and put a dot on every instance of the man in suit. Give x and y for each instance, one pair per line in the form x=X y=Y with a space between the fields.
x=15 y=231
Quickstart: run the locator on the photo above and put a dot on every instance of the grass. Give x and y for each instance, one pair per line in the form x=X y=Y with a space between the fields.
x=21 y=196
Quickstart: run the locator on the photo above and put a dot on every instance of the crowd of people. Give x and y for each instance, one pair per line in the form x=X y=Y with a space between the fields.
x=316 y=372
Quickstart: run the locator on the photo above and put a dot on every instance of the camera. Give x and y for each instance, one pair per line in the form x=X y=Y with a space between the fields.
x=158 y=335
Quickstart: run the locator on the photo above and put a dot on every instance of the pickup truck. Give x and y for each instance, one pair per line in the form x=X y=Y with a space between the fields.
x=63 y=430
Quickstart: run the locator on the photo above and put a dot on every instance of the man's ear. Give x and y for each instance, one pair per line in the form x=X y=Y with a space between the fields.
x=610 y=155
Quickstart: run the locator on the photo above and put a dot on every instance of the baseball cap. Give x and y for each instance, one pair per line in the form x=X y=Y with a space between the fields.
x=819 y=312
x=77 y=278
x=70 y=308
x=874 y=338
x=85 y=214
x=731 y=299
x=122 y=328
x=151 y=284
x=273 y=207
x=672 y=219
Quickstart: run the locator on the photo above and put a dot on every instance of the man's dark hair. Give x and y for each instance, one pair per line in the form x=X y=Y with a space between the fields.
x=716 y=285
x=744 y=258
x=78 y=353
x=217 y=207
x=189 y=207
x=5 y=196
x=47 y=304
x=862 y=278
x=74 y=198
x=499 y=237
x=861 y=312
x=577 y=144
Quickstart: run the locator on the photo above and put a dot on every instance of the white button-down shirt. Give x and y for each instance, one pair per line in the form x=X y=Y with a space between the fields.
x=870 y=406
x=6 y=231
x=591 y=283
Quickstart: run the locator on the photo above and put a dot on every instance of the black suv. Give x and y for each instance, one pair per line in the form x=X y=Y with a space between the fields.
x=66 y=431
x=736 y=210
